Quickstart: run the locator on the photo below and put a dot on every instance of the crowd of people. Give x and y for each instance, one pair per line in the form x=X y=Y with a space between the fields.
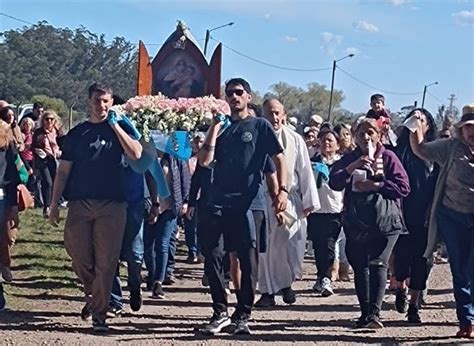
x=253 y=199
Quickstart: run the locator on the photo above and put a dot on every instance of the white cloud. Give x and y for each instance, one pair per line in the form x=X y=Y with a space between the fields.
x=362 y=25
x=329 y=42
x=464 y=17
x=398 y=3
x=352 y=50
x=291 y=39
x=267 y=16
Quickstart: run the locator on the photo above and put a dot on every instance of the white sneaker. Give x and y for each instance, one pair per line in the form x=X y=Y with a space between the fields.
x=317 y=288
x=326 y=289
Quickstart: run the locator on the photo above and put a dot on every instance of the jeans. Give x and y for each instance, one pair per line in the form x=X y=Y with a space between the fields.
x=409 y=261
x=170 y=265
x=323 y=231
x=457 y=230
x=132 y=253
x=190 y=234
x=157 y=242
x=369 y=260
x=47 y=170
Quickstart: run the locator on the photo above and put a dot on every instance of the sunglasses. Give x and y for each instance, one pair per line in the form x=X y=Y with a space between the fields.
x=238 y=92
x=49 y=119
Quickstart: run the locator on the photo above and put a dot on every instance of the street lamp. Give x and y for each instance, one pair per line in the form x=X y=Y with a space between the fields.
x=208 y=35
x=332 y=81
x=424 y=93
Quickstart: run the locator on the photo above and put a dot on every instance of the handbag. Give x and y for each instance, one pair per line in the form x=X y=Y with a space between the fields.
x=25 y=200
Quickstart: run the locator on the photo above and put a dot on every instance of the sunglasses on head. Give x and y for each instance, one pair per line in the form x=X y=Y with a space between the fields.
x=238 y=92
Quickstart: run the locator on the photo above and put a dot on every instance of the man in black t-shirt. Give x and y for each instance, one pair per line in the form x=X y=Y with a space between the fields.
x=239 y=153
x=91 y=168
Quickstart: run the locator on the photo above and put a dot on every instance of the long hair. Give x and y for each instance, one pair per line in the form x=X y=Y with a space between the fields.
x=5 y=135
x=430 y=135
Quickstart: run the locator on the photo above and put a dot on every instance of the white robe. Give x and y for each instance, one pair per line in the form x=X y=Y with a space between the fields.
x=282 y=264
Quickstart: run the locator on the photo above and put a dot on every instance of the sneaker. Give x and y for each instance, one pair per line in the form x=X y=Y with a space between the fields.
x=2 y=298
x=192 y=259
x=465 y=332
x=114 y=312
x=217 y=323
x=205 y=281
x=317 y=286
x=413 y=315
x=169 y=280
x=157 y=291
x=289 y=296
x=401 y=300
x=361 y=322
x=136 y=300
x=373 y=322
x=326 y=288
x=7 y=274
x=265 y=301
x=99 y=325
x=242 y=327
x=86 y=312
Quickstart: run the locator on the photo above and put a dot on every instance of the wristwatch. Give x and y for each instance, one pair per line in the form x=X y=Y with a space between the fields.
x=284 y=188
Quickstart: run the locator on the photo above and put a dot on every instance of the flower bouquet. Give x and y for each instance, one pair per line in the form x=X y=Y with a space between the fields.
x=159 y=113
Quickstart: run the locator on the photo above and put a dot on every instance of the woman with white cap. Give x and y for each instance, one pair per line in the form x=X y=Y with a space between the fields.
x=453 y=208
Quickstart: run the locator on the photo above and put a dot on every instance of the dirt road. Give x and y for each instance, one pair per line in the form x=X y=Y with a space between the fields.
x=51 y=318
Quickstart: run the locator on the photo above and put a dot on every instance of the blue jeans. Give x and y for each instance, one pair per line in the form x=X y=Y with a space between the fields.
x=157 y=242
x=172 y=252
x=457 y=230
x=132 y=253
x=190 y=234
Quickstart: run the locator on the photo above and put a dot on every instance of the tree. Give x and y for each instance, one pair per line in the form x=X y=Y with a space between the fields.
x=62 y=63
x=302 y=103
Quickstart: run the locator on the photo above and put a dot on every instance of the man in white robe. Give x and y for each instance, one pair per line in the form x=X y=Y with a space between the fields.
x=282 y=264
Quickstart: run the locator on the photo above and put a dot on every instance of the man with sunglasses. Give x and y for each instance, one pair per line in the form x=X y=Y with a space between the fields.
x=239 y=154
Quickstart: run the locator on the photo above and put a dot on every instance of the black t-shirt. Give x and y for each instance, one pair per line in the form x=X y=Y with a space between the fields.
x=97 y=158
x=240 y=156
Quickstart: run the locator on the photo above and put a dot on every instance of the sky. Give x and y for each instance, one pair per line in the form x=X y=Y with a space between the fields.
x=399 y=45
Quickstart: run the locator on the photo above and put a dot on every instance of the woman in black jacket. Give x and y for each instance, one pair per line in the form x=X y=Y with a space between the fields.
x=409 y=250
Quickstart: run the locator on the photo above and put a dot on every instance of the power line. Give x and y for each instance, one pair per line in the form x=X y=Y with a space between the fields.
x=272 y=65
x=373 y=87
x=435 y=97
x=15 y=18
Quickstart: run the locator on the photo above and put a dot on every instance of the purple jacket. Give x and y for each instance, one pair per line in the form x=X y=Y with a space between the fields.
x=395 y=183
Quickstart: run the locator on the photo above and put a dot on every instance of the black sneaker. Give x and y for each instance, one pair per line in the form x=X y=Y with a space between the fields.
x=86 y=312
x=413 y=315
x=114 y=312
x=169 y=280
x=217 y=323
x=157 y=292
x=205 y=281
x=265 y=301
x=401 y=300
x=361 y=322
x=289 y=296
x=192 y=259
x=373 y=322
x=136 y=300
x=242 y=327
x=99 y=325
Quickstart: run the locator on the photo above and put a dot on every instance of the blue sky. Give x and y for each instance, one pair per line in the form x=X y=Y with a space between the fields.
x=400 y=45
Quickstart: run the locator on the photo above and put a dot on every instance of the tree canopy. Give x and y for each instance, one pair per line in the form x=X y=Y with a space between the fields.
x=62 y=63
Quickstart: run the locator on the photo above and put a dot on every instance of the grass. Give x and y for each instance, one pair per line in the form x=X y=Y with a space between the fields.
x=41 y=267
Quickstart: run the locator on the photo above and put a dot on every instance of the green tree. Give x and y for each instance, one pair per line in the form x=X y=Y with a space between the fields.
x=62 y=63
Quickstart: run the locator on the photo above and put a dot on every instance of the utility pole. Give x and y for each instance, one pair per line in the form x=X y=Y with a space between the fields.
x=451 y=99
